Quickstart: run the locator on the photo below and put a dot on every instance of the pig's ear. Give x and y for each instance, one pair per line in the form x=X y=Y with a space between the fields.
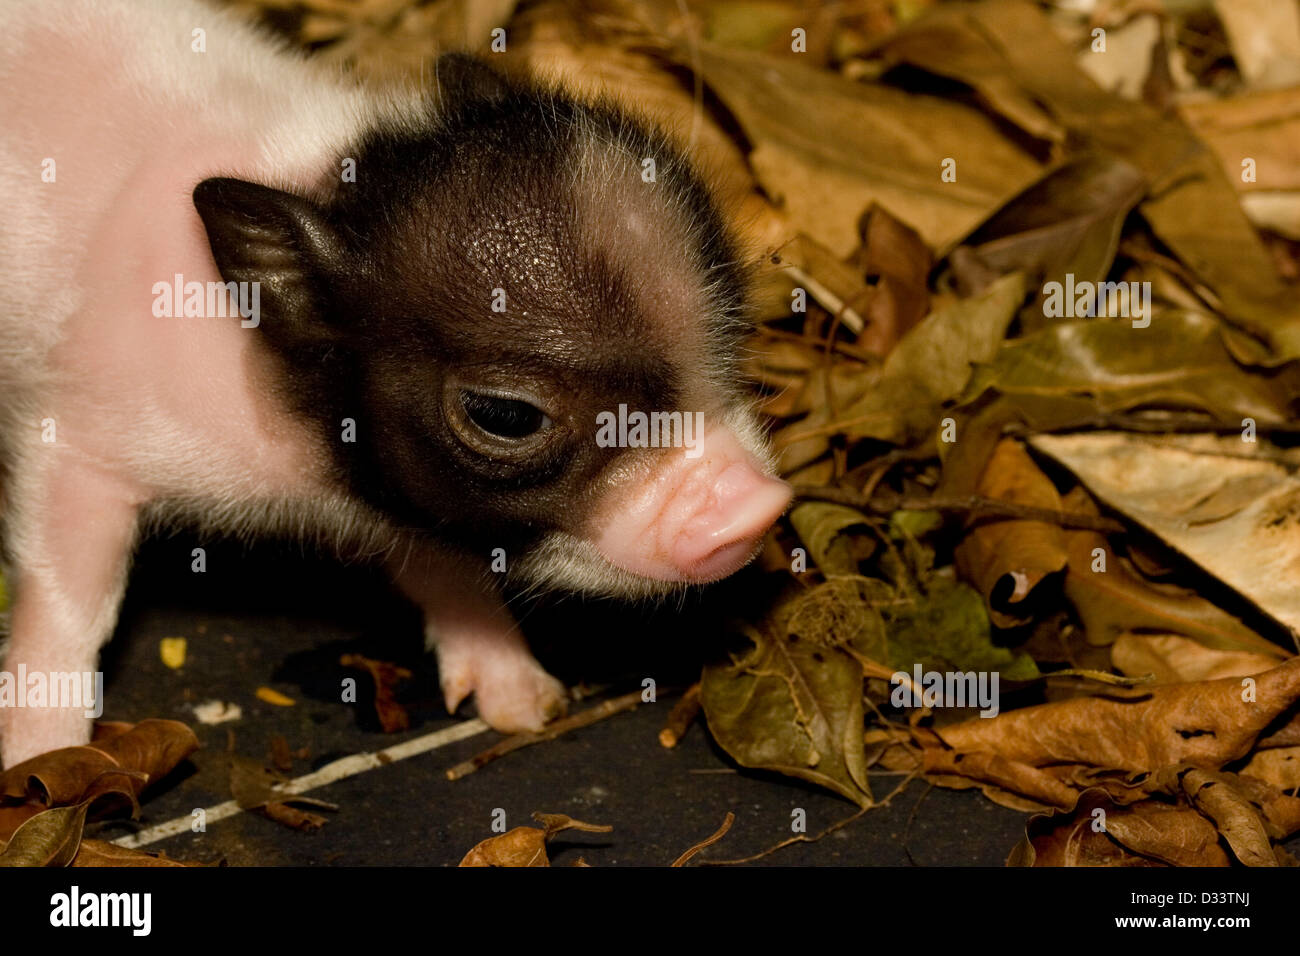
x=460 y=77
x=280 y=241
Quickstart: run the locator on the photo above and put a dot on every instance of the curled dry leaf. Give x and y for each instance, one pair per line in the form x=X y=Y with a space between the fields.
x=386 y=676
x=824 y=529
x=1233 y=814
x=705 y=843
x=899 y=262
x=115 y=767
x=1280 y=811
x=522 y=846
x=526 y=846
x=1006 y=782
x=1007 y=559
x=553 y=823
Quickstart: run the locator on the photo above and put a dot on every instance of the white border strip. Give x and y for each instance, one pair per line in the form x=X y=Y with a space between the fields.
x=338 y=770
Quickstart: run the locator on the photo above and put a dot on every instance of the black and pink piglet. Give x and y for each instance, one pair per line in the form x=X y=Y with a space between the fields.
x=424 y=305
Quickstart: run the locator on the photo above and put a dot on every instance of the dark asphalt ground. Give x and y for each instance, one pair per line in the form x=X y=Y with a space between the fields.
x=274 y=617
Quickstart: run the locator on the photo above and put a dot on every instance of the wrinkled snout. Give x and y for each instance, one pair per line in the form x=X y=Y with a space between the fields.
x=694 y=520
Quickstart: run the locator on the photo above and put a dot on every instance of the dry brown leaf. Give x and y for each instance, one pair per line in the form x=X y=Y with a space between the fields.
x=100 y=853
x=1226 y=504
x=899 y=262
x=887 y=149
x=1172 y=659
x=252 y=784
x=1233 y=814
x=1206 y=724
x=386 y=676
x=117 y=767
x=1097 y=832
x=285 y=813
x=1033 y=788
x=1281 y=811
x=1007 y=559
x=522 y=846
x=1119 y=600
x=1279 y=766
x=1191 y=206
x=526 y=846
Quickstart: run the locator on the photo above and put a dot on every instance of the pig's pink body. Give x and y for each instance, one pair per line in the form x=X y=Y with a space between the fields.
x=168 y=412
x=119 y=218
x=164 y=417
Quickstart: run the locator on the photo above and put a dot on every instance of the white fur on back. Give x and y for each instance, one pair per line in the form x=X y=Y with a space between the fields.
x=134 y=118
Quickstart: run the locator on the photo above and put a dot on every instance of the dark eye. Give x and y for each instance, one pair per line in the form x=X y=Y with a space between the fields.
x=503 y=417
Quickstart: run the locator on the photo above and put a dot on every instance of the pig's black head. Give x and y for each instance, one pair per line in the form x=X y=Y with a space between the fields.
x=495 y=278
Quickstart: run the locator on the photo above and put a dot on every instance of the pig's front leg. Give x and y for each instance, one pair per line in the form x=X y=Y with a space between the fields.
x=71 y=531
x=479 y=645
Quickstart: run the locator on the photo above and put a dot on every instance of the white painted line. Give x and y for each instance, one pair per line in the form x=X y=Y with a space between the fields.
x=338 y=770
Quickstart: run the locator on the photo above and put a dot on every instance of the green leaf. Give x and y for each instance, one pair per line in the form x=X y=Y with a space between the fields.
x=948 y=630
x=792 y=705
x=914 y=524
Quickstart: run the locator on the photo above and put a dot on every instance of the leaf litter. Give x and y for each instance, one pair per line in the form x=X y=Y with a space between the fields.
x=1088 y=497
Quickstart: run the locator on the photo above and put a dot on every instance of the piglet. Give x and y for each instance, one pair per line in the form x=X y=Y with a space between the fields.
x=478 y=325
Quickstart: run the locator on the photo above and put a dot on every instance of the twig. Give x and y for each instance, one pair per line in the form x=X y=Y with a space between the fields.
x=607 y=708
x=970 y=504
x=801 y=838
x=1100 y=677
x=911 y=818
x=681 y=717
x=722 y=831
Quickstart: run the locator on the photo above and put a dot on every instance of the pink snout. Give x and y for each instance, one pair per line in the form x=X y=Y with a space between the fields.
x=694 y=521
x=725 y=532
